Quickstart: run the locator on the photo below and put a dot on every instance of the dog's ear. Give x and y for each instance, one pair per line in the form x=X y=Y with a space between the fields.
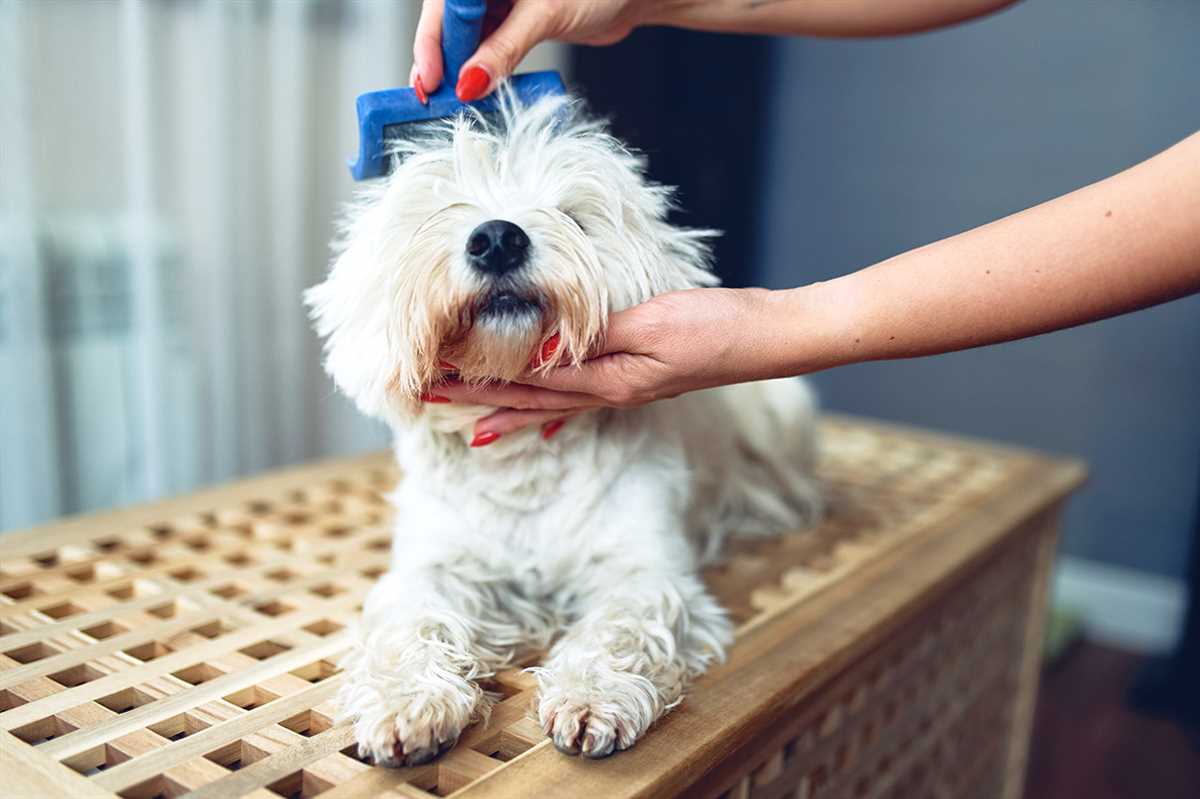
x=351 y=316
x=663 y=258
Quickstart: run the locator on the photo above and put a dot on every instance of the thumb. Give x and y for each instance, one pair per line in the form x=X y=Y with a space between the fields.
x=624 y=333
x=498 y=54
x=607 y=364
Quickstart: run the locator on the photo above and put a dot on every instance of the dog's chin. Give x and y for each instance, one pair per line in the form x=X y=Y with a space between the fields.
x=506 y=333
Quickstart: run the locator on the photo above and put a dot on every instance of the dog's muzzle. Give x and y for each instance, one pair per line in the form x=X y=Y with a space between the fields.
x=497 y=249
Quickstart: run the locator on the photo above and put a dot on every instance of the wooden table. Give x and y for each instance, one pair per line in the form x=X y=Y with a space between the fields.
x=189 y=647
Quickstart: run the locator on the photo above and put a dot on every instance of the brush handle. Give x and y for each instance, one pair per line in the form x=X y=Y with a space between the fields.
x=382 y=115
x=462 y=21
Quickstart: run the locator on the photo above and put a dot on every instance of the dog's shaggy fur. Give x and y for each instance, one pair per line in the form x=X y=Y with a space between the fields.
x=588 y=544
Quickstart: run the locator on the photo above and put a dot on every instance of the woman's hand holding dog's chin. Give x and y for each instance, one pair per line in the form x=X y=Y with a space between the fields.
x=667 y=346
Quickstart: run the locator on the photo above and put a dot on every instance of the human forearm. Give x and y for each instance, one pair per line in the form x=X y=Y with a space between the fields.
x=816 y=17
x=1124 y=243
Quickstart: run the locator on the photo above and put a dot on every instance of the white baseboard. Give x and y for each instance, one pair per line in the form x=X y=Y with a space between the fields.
x=1130 y=609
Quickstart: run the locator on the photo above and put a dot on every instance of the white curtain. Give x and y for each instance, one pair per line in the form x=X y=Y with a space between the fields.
x=169 y=173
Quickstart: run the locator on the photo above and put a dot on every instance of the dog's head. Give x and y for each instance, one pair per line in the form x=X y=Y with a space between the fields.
x=491 y=235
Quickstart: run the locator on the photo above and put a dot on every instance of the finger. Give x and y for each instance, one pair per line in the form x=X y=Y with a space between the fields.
x=510 y=420
x=512 y=395
x=594 y=379
x=427 y=47
x=499 y=54
x=414 y=80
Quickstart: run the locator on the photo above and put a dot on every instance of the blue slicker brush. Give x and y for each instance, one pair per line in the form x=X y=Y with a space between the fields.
x=397 y=113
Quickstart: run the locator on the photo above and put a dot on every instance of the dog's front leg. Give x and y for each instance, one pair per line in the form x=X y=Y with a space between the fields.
x=428 y=634
x=627 y=659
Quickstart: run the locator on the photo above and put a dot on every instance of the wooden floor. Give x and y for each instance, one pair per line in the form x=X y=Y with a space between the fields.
x=1088 y=742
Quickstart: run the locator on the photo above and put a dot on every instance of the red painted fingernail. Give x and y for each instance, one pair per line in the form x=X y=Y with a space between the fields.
x=551 y=428
x=444 y=364
x=472 y=84
x=420 y=90
x=549 y=347
x=434 y=398
x=483 y=439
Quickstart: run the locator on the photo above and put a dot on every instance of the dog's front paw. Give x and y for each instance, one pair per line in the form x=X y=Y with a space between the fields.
x=593 y=730
x=599 y=719
x=406 y=725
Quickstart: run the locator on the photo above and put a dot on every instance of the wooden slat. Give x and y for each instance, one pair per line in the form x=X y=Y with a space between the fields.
x=149 y=714
x=29 y=774
x=132 y=772
x=276 y=766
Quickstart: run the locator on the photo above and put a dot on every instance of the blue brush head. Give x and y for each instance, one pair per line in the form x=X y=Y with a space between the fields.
x=382 y=115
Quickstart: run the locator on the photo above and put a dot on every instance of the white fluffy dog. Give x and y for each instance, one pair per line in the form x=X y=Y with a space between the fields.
x=490 y=236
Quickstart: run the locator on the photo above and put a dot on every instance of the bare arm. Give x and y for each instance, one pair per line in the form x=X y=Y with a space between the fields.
x=1124 y=243
x=818 y=17
x=521 y=24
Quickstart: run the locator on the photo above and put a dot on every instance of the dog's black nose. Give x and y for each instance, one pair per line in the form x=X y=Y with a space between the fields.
x=497 y=247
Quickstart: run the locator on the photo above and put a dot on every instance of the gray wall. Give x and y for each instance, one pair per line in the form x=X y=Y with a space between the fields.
x=880 y=146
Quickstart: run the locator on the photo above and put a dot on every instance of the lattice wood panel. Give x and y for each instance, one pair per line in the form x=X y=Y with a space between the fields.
x=192 y=649
x=926 y=714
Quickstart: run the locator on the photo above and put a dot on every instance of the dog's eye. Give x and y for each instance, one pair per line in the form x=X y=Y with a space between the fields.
x=575 y=219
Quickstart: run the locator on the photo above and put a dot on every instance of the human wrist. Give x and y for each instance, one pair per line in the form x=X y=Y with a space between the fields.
x=811 y=328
